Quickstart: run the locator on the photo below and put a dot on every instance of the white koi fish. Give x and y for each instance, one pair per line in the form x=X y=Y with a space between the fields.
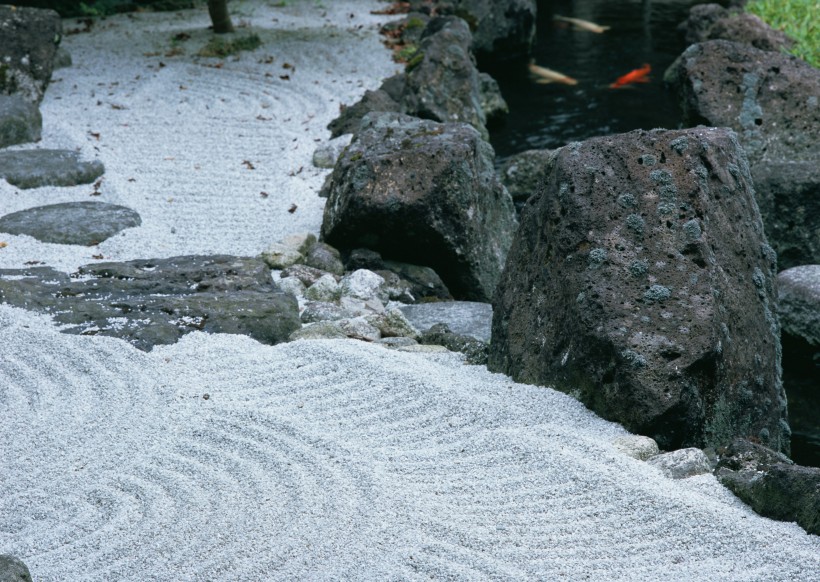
x=544 y=75
x=582 y=24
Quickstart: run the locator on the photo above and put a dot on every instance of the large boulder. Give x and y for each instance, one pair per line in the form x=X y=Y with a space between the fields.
x=771 y=484
x=771 y=101
x=768 y=98
x=20 y=121
x=640 y=282
x=501 y=30
x=443 y=82
x=788 y=194
x=424 y=193
x=28 y=43
x=155 y=301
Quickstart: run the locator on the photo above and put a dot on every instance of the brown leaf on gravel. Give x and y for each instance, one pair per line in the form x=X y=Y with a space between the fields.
x=292 y=208
x=3 y=244
x=264 y=194
x=248 y=164
x=285 y=77
x=95 y=135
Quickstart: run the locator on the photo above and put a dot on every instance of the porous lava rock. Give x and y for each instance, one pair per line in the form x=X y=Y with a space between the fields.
x=640 y=282
x=424 y=193
x=522 y=173
x=28 y=42
x=788 y=194
x=713 y=22
x=701 y=18
x=442 y=83
x=771 y=484
x=155 y=301
x=71 y=223
x=501 y=30
x=799 y=310
x=771 y=101
x=768 y=98
x=20 y=121
x=799 y=302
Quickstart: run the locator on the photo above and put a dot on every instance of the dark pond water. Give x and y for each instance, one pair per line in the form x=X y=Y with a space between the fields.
x=549 y=116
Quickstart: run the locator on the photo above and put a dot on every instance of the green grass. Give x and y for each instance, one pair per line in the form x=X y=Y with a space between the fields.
x=220 y=46
x=798 y=19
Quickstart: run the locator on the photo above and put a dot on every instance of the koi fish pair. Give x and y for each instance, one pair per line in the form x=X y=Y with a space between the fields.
x=543 y=75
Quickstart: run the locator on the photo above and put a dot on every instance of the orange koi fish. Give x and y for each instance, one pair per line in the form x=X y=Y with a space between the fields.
x=635 y=76
x=544 y=75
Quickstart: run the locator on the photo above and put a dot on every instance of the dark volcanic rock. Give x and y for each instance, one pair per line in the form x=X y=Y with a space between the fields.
x=12 y=569
x=749 y=29
x=713 y=22
x=700 y=21
x=28 y=43
x=20 y=121
x=71 y=223
x=788 y=194
x=768 y=98
x=351 y=116
x=641 y=282
x=799 y=302
x=150 y=302
x=771 y=484
x=444 y=84
x=522 y=173
x=501 y=30
x=799 y=311
x=36 y=168
x=424 y=193
x=441 y=335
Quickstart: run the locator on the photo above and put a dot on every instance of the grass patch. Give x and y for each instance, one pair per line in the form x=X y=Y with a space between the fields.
x=219 y=46
x=798 y=19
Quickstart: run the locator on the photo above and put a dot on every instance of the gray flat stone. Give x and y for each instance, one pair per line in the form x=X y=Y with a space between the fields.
x=150 y=302
x=462 y=317
x=799 y=302
x=71 y=223
x=20 y=121
x=37 y=168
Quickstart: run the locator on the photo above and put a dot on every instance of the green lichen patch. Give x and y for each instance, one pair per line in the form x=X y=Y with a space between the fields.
x=596 y=258
x=636 y=223
x=657 y=294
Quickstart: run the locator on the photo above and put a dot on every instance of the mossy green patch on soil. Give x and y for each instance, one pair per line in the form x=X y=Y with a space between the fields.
x=798 y=19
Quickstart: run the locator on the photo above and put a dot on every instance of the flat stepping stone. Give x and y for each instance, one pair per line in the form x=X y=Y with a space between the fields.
x=37 y=168
x=71 y=223
x=151 y=302
x=20 y=121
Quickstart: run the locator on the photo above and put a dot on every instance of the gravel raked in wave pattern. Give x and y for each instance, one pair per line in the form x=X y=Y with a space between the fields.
x=221 y=458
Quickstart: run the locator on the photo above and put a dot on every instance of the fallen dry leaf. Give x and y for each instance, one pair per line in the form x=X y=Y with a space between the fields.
x=248 y=164
x=292 y=208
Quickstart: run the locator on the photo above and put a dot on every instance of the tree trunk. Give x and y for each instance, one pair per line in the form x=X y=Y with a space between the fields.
x=220 y=17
